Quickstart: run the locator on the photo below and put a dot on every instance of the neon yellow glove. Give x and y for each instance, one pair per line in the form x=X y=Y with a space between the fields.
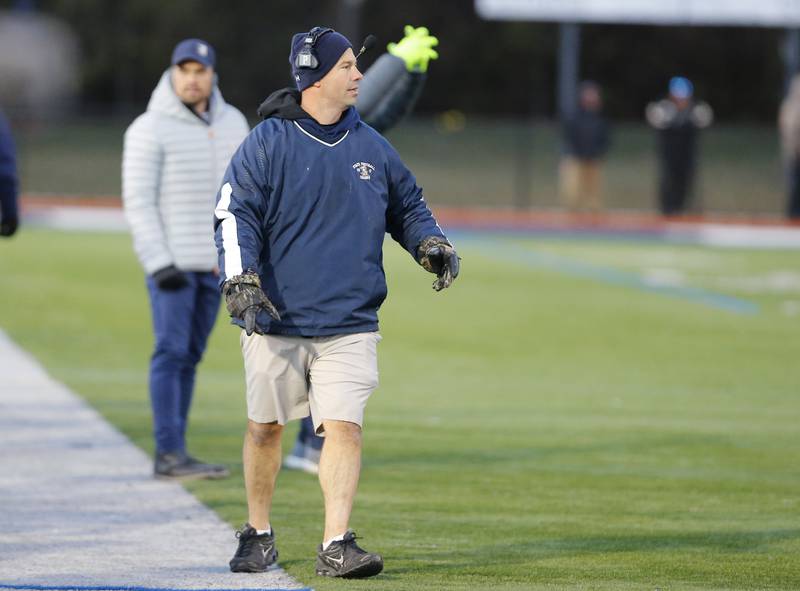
x=415 y=49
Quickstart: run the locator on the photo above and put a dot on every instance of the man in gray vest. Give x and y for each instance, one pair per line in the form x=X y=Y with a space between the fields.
x=174 y=157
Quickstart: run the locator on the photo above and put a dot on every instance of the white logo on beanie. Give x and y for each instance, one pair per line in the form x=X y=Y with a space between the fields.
x=202 y=49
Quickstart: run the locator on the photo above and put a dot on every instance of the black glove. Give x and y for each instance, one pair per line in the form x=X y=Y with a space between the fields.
x=8 y=226
x=170 y=278
x=437 y=255
x=244 y=299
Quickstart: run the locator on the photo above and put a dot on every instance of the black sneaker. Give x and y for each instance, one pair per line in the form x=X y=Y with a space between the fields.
x=256 y=553
x=345 y=559
x=181 y=466
x=215 y=470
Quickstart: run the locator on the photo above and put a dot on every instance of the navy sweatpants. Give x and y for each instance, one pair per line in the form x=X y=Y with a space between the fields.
x=182 y=322
x=307 y=436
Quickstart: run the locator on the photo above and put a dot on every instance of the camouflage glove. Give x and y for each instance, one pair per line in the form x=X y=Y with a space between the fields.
x=244 y=299
x=415 y=49
x=436 y=255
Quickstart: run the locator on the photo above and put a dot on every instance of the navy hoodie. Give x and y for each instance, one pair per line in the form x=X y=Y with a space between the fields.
x=307 y=206
x=8 y=173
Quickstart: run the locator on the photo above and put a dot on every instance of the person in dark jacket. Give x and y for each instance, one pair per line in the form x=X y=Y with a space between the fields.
x=9 y=216
x=300 y=223
x=789 y=127
x=586 y=140
x=677 y=120
x=389 y=91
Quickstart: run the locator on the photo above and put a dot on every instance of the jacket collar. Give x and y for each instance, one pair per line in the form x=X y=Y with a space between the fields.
x=334 y=132
x=285 y=104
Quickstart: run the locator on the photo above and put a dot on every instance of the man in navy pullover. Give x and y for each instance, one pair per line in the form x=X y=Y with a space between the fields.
x=300 y=222
x=387 y=93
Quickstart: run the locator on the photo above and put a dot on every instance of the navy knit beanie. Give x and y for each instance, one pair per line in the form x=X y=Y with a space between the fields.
x=328 y=48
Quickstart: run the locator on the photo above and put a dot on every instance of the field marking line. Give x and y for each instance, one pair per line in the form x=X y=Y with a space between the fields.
x=80 y=509
x=107 y=588
x=608 y=275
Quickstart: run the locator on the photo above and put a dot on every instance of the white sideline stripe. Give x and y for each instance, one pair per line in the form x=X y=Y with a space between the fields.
x=103 y=219
x=341 y=139
x=738 y=235
x=80 y=509
x=230 y=235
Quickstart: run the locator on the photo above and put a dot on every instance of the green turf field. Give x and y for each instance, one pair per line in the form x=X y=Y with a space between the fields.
x=573 y=414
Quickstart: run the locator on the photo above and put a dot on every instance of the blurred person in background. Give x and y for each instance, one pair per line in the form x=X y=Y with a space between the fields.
x=677 y=120
x=789 y=126
x=389 y=91
x=173 y=160
x=585 y=141
x=9 y=213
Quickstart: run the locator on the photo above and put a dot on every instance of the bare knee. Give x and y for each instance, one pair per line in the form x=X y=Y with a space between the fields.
x=343 y=431
x=264 y=434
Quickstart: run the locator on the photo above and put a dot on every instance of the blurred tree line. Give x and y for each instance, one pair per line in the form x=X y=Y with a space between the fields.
x=492 y=68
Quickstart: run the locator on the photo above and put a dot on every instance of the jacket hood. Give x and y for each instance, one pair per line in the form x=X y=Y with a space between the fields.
x=285 y=104
x=164 y=100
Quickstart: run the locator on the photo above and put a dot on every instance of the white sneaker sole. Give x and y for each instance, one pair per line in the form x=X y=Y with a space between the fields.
x=291 y=462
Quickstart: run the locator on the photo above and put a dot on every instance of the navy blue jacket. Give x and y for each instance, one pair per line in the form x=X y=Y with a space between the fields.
x=307 y=206
x=8 y=173
x=586 y=135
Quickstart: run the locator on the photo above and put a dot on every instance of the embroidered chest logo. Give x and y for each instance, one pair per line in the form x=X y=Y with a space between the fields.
x=364 y=169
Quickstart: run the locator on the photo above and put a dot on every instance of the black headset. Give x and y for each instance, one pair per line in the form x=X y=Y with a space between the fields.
x=305 y=57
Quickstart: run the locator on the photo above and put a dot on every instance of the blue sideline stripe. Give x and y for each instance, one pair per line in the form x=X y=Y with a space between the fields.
x=612 y=276
x=123 y=588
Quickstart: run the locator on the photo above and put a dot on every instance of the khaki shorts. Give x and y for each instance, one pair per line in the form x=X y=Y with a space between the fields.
x=330 y=377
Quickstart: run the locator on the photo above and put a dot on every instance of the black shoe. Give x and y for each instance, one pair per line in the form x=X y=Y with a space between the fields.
x=345 y=559
x=256 y=553
x=216 y=470
x=181 y=466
